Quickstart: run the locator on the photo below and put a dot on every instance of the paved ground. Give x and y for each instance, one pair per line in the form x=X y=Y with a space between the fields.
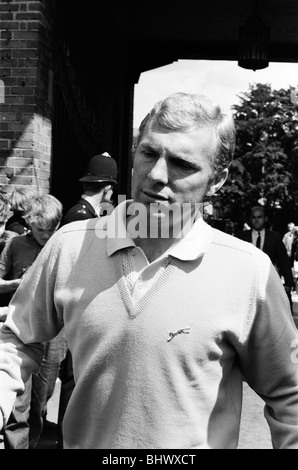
x=254 y=431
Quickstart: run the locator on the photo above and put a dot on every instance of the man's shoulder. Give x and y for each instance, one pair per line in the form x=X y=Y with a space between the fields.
x=244 y=235
x=84 y=228
x=75 y=238
x=235 y=245
x=273 y=234
x=80 y=211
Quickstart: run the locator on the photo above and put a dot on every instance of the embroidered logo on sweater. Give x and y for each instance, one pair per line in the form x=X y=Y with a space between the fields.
x=178 y=332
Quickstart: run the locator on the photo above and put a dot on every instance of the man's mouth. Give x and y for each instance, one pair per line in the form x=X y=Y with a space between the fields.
x=155 y=197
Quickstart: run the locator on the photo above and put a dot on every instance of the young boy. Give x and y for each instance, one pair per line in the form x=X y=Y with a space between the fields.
x=18 y=201
x=5 y=233
x=43 y=216
x=5 y=236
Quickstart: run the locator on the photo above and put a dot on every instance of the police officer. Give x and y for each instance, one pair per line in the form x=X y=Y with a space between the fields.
x=99 y=183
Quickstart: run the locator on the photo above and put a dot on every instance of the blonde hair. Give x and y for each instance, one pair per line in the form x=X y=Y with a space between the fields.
x=4 y=210
x=20 y=197
x=44 y=210
x=188 y=112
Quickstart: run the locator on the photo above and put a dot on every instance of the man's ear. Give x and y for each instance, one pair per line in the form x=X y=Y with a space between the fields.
x=217 y=182
x=133 y=152
x=107 y=188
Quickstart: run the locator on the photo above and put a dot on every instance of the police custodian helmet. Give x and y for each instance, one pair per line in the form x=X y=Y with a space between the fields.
x=101 y=168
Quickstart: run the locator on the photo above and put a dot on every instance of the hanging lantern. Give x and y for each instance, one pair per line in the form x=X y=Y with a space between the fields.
x=254 y=38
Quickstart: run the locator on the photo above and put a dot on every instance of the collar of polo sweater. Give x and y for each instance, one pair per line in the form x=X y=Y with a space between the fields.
x=192 y=246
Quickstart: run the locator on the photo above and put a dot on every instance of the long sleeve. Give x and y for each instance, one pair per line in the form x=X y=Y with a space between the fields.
x=268 y=360
x=31 y=320
x=283 y=263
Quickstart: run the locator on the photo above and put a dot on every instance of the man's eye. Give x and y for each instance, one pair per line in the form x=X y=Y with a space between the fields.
x=183 y=165
x=149 y=153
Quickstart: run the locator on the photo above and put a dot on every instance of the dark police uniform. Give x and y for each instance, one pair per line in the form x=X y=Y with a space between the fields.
x=101 y=168
x=80 y=211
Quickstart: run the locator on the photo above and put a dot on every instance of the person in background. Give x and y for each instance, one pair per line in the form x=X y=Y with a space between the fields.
x=18 y=201
x=42 y=215
x=230 y=227
x=5 y=235
x=288 y=238
x=99 y=183
x=158 y=356
x=271 y=243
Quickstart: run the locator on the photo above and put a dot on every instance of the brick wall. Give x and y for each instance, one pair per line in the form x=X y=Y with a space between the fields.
x=26 y=64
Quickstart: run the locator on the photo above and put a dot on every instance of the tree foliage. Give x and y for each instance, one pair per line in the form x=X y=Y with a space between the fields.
x=265 y=166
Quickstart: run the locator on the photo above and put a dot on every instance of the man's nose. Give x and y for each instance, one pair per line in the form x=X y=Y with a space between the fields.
x=159 y=172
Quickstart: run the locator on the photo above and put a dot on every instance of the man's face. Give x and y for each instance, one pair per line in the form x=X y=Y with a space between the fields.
x=174 y=167
x=257 y=220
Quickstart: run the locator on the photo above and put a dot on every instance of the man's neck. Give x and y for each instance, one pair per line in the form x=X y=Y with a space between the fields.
x=154 y=247
x=93 y=199
x=157 y=234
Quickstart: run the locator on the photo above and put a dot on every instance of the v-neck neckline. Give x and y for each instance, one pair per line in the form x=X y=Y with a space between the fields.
x=134 y=308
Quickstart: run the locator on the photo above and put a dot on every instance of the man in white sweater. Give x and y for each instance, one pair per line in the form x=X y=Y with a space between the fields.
x=159 y=356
